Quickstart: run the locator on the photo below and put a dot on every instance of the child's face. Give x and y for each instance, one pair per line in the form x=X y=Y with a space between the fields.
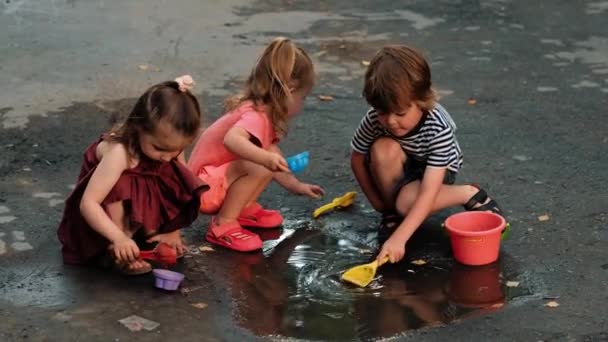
x=296 y=101
x=401 y=123
x=165 y=144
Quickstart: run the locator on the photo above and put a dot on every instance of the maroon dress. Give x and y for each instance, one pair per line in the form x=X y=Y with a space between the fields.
x=159 y=197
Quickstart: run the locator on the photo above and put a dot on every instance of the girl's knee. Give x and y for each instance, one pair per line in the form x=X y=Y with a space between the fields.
x=246 y=168
x=387 y=151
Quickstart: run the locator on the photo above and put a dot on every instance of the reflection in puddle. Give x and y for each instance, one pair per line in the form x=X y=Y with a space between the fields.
x=293 y=289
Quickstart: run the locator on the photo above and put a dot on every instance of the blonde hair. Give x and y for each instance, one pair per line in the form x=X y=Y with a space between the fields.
x=398 y=76
x=281 y=66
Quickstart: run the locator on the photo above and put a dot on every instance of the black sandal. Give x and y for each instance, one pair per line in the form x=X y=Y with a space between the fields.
x=480 y=198
x=390 y=221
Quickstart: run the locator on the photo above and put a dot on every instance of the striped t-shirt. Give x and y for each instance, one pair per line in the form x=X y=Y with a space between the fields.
x=433 y=141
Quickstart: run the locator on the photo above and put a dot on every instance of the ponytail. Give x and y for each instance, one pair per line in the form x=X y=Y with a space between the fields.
x=281 y=67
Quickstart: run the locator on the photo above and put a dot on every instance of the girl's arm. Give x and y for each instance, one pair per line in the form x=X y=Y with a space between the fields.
x=238 y=141
x=290 y=182
x=358 y=165
x=431 y=183
x=113 y=162
x=182 y=158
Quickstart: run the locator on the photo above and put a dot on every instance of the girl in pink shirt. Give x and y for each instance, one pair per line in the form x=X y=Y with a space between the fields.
x=238 y=156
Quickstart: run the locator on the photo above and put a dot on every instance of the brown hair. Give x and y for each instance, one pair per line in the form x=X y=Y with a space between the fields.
x=281 y=66
x=163 y=101
x=398 y=76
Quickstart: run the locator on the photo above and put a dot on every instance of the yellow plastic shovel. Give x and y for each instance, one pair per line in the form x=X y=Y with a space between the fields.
x=362 y=275
x=338 y=202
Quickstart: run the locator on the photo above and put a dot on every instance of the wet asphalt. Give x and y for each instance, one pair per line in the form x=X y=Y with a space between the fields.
x=526 y=82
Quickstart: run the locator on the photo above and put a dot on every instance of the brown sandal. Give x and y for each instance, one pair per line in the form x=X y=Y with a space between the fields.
x=124 y=269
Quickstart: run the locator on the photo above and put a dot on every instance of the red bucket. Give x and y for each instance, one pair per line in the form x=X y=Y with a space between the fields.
x=475 y=236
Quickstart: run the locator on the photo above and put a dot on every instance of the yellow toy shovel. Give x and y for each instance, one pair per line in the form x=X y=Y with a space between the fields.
x=338 y=202
x=362 y=275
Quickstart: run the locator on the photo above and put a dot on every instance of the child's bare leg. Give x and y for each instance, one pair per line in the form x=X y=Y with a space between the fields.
x=264 y=181
x=448 y=196
x=386 y=167
x=246 y=180
x=116 y=211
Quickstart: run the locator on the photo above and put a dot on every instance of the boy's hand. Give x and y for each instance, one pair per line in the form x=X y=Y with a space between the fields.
x=173 y=239
x=125 y=250
x=310 y=190
x=394 y=248
x=275 y=162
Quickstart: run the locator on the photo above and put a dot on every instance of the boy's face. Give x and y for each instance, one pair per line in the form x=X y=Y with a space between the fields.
x=401 y=123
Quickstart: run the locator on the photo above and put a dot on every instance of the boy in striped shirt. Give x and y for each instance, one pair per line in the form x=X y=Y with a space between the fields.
x=405 y=153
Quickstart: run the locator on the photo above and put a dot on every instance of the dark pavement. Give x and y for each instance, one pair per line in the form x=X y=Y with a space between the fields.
x=526 y=82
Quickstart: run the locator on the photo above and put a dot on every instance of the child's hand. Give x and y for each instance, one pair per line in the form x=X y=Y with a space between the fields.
x=173 y=239
x=310 y=190
x=394 y=248
x=275 y=162
x=125 y=250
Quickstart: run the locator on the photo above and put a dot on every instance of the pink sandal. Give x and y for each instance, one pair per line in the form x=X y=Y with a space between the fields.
x=256 y=216
x=231 y=235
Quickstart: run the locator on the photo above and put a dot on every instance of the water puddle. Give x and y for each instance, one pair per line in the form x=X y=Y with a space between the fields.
x=293 y=289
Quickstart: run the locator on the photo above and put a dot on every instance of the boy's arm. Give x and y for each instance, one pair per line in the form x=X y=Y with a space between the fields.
x=430 y=185
x=361 y=172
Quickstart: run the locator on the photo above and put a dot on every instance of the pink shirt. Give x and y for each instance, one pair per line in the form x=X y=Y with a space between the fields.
x=210 y=149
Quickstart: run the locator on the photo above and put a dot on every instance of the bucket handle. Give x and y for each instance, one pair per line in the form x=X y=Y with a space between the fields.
x=503 y=236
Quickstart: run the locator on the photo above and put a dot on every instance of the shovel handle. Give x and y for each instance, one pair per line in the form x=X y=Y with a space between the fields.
x=383 y=261
x=320 y=210
x=150 y=255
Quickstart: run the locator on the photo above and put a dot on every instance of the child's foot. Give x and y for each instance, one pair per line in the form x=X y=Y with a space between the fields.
x=256 y=216
x=390 y=221
x=480 y=201
x=231 y=235
x=136 y=267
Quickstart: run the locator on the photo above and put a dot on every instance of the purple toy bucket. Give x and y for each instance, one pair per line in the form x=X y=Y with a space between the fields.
x=167 y=280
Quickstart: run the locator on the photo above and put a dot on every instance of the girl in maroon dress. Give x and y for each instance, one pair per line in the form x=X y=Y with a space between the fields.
x=134 y=184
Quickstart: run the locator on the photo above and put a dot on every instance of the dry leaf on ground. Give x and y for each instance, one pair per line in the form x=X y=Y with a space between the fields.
x=512 y=283
x=543 y=218
x=418 y=262
x=472 y=101
x=326 y=98
x=552 y=304
x=143 y=67
x=206 y=249
x=365 y=63
x=200 y=305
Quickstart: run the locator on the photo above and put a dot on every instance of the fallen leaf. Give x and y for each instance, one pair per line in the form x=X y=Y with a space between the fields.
x=552 y=304
x=200 y=305
x=512 y=283
x=143 y=67
x=365 y=63
x=206 y=249
x=418 y=262
x=543 y=218
x=472 y=101
x=326 y=98
x=498 y=305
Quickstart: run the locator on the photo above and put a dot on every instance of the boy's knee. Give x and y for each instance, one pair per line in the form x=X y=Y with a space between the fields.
x=386 y=151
